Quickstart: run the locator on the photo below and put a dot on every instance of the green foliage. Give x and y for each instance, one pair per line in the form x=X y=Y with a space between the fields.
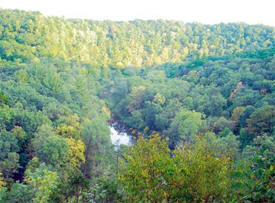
x=3 y=99
x=226 y=92
x=261 y=158
x=178 y=80
x=9 y=157
x=228 y=142
x=144 y=174
x=203 y=171
x=195 y=172
x=185 y=126
x=18 y=193
x=262 y=121
x=42 y=182
x=189 y=124
x=30 y=35
x=52 y=150
x=95 y=136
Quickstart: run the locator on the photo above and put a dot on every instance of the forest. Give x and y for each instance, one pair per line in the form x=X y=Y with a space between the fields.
x=197 y=100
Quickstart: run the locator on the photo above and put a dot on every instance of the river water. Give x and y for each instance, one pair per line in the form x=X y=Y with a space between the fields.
x=119 y=136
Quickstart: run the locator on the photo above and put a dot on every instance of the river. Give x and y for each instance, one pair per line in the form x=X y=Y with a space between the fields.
x=119 y=136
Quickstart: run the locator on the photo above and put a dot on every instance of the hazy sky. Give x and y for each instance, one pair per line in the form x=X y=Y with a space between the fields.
x=204 y=11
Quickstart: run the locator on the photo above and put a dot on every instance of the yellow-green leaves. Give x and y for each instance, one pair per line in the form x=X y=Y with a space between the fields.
x=193 y=172
x=67 y=131
x=202 y=172
x=159 y=99
x=143 y=175
x=43 y=182
x=76 y=152
x=2 y=183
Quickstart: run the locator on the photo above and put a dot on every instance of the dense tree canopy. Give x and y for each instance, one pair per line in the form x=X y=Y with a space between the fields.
x=198 y=98
x=30 y=35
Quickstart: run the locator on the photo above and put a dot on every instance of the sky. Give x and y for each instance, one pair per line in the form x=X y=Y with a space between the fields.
x=203 y=11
